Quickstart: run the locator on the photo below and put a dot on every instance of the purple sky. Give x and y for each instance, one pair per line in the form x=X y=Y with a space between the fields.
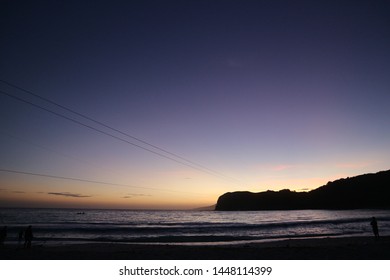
x=275 y=94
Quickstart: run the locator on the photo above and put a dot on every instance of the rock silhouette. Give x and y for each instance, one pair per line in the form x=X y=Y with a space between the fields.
x=368 y=191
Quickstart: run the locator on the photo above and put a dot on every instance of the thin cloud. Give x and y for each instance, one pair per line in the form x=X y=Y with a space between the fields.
x=67 y=194
x=135 y=195
x=18 y=192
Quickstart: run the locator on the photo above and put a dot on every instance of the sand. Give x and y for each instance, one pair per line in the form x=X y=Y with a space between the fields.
x=346 y=248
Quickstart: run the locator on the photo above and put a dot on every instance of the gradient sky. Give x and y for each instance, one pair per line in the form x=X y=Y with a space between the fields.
x=272 y=94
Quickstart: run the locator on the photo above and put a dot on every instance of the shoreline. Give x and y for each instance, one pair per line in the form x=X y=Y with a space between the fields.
x=326 y=248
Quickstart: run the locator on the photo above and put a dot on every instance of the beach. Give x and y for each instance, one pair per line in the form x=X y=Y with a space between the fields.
x=98 y=234
x=344 y=248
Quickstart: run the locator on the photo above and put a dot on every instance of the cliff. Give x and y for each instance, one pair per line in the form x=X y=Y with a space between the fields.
x=369 y=191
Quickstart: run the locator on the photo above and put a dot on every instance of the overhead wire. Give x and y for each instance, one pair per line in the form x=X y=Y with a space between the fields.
x=96 y=129
x=182 y=161
x=83 y=180
x=111 y=128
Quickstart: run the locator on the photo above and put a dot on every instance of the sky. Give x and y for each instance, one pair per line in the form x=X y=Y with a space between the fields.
x=234 y=95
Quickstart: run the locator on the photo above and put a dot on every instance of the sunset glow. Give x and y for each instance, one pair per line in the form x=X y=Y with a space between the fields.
x=188 y=100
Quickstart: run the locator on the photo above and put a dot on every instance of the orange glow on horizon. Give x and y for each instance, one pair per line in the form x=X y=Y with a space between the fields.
x=110 y=201
x=181 y=194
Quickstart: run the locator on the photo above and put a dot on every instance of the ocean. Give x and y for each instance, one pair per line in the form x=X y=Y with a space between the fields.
x=65 y=226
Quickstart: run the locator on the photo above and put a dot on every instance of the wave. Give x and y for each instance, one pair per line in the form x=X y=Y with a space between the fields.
x=193 y=239
x=95 y=226
x=183 y=227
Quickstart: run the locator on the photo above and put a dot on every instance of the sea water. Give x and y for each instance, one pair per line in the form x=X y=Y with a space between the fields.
x=53 y=226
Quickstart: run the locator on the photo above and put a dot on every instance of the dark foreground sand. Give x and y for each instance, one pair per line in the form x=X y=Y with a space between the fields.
x=350 y=248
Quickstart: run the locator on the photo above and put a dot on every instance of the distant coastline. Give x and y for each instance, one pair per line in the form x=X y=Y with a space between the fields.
x=368 y=191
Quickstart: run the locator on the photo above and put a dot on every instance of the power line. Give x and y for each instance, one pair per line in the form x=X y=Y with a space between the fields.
x=101 y=131
x=82 y=180
x=106 y=126
x=186 y=162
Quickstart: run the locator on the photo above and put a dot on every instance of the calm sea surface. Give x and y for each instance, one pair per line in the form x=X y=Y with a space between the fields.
x=53 y=226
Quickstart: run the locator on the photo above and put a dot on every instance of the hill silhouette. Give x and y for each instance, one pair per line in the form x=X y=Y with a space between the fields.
x=368 y=191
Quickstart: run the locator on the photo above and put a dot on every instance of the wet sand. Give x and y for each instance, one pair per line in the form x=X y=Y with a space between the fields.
x=346 y=248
